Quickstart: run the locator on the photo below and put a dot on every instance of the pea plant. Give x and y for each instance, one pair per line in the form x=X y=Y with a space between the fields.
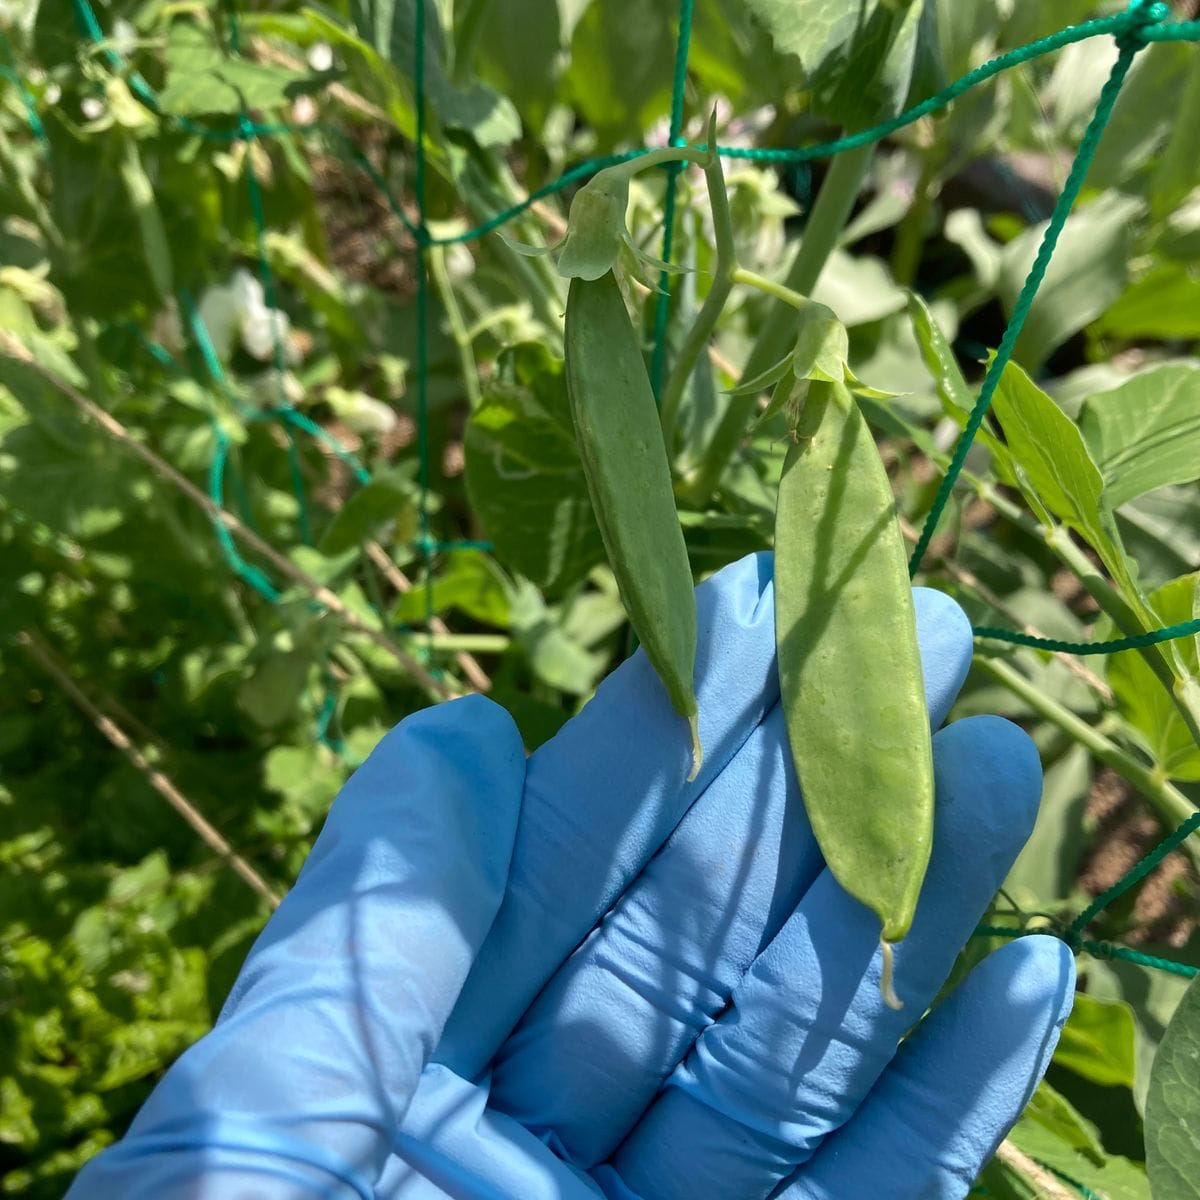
x=350 y=361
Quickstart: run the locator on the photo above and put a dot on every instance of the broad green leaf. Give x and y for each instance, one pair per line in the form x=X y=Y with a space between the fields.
x=616 y=78
x=1054 y=1112
x=1161 y=305
x=1117 y=1179
x=891 y=46
x=1097 y=1042
x=470 y=582
x=390 y=27
x=1178 y=168
x=202 y=80
x=1146 y=432
x=1086 y=274
x=1143 y=701
x=1173 y=1105
x=274 y=689
x=519 y=53
x=388 y=497
x=1153 y=995
x=523 y=473
x=1140 y=121
x=858 y=289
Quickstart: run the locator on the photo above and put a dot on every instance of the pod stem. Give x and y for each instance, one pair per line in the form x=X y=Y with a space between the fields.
x=697 y=749
x=886 y=990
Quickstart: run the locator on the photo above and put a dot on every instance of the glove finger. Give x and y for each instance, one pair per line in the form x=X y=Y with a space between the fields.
x=454 y=1145
x=807 y=1032
x=956 y=1086
x=617 y=1018
x=603 y=796
x=321 y=1043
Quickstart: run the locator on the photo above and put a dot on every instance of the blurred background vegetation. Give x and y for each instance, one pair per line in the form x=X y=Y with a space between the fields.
x=239 y=299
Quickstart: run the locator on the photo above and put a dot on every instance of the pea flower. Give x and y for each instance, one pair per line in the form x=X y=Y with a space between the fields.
x=239 y=309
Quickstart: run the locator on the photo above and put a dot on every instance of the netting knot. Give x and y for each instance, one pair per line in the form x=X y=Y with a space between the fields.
x=1142 y=14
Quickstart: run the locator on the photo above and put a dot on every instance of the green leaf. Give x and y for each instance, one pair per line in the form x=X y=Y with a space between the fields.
x=519 y=53
x=388 y=497
x=859 y=290
x=1143 y=701
x=1173 y=1105
x=888 y=44
x=1177 y=172
x=615 y=78
x=1054 y=1112
x=271 y=693
x=390 y=26
x=1051 y=452
x=1117 y=1179
x=1097 y=1042
x=523 y=473
x=1146 y=432
x=201 y=80
x=1087 y=273
x=470 y=582
x=1163 y=304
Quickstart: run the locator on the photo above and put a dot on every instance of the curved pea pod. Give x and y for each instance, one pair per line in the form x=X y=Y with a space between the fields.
x=629 y=479
x=849 y=665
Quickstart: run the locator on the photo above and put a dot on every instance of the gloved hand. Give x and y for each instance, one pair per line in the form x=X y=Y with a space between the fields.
x=580 y=975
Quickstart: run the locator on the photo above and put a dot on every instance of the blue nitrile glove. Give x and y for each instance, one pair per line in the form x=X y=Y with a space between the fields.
x=579 y=975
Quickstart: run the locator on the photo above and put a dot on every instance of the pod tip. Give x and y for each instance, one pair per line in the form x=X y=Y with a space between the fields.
x=697 y=749
x=886 y=990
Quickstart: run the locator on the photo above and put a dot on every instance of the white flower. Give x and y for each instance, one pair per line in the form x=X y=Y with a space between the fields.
x=239 y=308
x=320 y=56
x=93 y=107
x=363 y=413
x=460 y=262
x=304 y=110
x=123 y=37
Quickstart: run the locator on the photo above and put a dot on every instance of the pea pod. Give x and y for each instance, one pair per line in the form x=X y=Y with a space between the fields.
x=629 y=479
x=849 y=664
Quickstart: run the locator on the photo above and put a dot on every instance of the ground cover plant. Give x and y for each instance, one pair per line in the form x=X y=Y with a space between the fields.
x=303 y=428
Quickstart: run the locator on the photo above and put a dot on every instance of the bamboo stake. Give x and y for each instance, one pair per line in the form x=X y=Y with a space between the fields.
x=41 y=653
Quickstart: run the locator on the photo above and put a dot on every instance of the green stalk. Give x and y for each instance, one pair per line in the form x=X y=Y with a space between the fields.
x=825 y=225
x=459 y=643
x=458 y=327
x=780 y=291
x=718 y=292
x=1170 y=805
x=910 y=233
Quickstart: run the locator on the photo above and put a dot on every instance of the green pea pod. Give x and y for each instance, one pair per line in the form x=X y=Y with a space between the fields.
x=629 y=479
x=849 y=664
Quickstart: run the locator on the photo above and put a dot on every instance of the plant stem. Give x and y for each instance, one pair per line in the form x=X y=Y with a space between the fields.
x=910 y=233
x=825 y=223
x=780 y=291
x=706 y=319
x=40 y=652
x=458 y=327
x=459 y=643
x=1170 y=805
